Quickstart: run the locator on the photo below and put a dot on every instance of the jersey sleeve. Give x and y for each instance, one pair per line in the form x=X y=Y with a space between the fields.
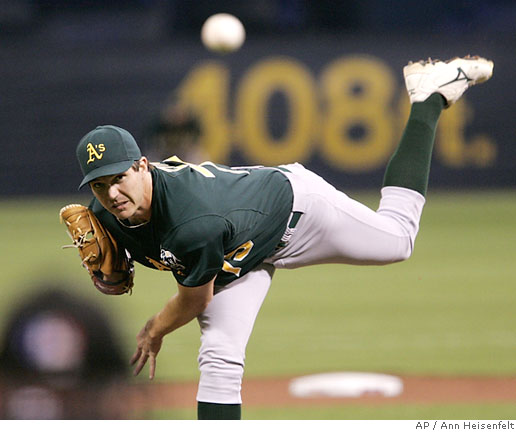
x=198 y=249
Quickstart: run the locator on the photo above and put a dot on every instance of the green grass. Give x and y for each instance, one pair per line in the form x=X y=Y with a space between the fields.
x=449 y=310
x=384 y=412
x=362 y=412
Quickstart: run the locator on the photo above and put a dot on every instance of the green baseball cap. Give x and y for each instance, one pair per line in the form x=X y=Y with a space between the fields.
x=106 y=150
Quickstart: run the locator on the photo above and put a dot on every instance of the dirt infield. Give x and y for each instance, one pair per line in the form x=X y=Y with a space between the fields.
x=275 y=392
x=39 y=400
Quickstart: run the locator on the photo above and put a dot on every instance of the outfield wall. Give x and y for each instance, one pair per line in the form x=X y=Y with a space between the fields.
x=334 y=102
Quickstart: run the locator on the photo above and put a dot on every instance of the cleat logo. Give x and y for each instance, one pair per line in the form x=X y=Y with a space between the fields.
x=461 y=75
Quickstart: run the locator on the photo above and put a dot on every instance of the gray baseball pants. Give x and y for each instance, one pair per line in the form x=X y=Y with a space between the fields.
x=333 y=229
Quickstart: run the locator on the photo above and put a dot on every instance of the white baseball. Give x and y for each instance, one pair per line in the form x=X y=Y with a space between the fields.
x=222 y=33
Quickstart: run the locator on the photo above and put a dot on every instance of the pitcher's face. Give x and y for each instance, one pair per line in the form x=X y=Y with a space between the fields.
x=125 y=195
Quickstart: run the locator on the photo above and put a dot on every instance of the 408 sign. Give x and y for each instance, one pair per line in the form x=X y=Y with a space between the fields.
x=352 y=115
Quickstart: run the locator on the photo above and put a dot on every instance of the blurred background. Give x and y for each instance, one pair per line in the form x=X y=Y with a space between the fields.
x=318 y=82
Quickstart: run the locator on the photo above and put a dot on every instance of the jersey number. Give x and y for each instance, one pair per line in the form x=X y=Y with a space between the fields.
x=237 y=255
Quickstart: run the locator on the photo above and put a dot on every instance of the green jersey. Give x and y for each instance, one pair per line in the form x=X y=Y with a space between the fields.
x=207 y=220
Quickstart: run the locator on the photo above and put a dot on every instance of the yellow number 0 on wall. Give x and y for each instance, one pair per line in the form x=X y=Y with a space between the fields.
x=257 y=87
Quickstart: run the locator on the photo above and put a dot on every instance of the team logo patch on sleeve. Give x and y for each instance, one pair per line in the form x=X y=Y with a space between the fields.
x=171 y=261
x=168 y=262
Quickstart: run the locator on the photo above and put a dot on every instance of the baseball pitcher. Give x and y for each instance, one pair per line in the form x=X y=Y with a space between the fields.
x=222 y=231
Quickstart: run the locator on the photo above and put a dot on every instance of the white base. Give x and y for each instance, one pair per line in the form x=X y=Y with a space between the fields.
x=346 y=384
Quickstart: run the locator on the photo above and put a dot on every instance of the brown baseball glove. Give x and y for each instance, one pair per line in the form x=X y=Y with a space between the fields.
x=109 y=266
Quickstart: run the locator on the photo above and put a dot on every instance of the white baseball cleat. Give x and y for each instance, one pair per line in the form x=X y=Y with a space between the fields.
x=450 y=78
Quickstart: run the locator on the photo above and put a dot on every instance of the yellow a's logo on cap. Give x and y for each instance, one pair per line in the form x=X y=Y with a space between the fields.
x=95 y=152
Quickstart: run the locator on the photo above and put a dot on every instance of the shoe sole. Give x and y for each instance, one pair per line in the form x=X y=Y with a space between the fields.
x=426 y=66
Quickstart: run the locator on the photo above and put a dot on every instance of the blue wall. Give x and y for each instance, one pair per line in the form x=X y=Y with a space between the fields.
x=333 y=100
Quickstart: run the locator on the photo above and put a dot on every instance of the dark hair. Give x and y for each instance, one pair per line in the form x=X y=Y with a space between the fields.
x=136 y=165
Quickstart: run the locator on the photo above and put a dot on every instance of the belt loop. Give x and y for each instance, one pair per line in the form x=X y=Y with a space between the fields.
x=294 y=219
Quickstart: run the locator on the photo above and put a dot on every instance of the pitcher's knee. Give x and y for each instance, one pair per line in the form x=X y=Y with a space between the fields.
x=403 y=251
x=405 y=255
x=221 y=380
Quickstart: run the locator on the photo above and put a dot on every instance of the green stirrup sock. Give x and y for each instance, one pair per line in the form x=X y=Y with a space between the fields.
x=214 y=411
x=409 y=166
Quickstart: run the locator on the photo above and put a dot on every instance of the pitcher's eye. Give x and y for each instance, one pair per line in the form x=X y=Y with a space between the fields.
x=97 y=185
